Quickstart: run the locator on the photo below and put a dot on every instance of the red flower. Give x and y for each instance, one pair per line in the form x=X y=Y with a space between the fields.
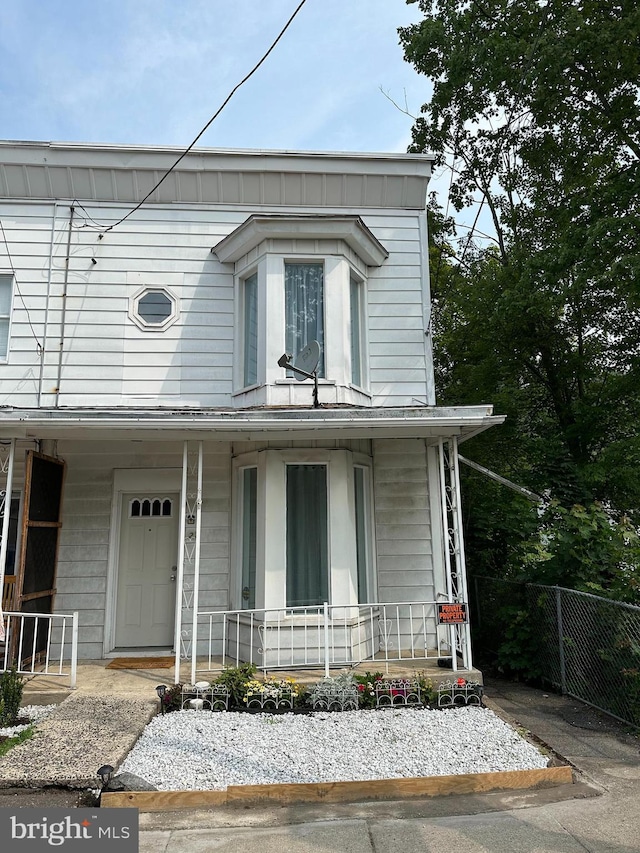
x=461 y=682
x=361 y=688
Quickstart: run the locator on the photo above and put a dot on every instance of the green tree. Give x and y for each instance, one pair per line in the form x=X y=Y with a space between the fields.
x=537 y=103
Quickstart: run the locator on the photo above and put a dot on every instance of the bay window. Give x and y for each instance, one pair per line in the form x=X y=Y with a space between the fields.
x=303 y=531
x=300 y=278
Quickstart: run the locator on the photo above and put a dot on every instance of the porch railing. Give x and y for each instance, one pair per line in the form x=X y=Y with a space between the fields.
x=325 y=636
x=41 y=644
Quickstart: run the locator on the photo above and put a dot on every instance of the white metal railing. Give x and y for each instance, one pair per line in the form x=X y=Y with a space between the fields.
x=41 y=644
x=326 y=635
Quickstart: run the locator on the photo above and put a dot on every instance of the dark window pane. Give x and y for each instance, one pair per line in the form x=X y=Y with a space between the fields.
x=155 y=307
x=307 y=535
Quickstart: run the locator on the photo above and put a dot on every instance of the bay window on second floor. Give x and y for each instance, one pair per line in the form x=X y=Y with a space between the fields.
x=300 y=279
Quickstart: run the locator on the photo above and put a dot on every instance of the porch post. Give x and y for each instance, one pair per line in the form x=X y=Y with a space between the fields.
x=447 y=548
x=177 y=641
x=5 y=505
x=461 y=562
x=196 y=578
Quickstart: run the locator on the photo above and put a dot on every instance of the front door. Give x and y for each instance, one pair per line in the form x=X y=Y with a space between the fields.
x=147 y=570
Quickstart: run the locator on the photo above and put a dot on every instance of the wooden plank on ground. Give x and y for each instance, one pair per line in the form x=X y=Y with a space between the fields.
x=389 y=789
x=341 y=792
x=163 y=801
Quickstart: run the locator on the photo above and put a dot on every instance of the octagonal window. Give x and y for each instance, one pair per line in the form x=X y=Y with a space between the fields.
x=154 y=308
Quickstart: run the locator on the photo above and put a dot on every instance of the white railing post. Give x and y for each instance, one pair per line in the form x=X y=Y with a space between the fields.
x=74 y=652
x=326 y=639
x=196 y=577
x=177 y=640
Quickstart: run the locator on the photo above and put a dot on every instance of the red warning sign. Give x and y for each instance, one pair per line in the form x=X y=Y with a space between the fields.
x=452 y=614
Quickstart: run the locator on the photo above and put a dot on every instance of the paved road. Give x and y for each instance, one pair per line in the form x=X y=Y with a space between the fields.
x=599 y=814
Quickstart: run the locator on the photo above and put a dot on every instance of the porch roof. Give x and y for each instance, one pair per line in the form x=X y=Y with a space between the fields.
x=429 y=422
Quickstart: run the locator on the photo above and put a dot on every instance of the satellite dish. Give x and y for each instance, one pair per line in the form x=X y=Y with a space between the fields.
x=307 y=360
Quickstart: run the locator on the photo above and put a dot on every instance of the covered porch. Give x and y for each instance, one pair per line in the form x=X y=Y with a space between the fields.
x=388 y=615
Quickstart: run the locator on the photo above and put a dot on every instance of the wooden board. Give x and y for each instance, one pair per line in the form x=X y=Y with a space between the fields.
x=341 y=792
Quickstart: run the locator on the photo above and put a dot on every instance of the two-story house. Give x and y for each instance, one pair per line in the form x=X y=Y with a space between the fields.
x=163 y=461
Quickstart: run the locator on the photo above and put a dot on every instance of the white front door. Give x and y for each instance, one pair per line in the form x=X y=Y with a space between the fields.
x=147 y=562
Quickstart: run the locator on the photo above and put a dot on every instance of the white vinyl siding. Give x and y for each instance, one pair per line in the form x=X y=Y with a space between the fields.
x=402 y=517
x=108 y=361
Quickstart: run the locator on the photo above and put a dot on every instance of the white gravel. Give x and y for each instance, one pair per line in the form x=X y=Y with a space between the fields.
x=34 y=713
x=199 y=750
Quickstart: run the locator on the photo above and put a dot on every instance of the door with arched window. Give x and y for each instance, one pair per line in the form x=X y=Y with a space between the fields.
x=147 y=570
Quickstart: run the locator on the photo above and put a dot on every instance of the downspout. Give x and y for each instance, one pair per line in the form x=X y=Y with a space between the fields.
x=46 y=309
x=65 y=286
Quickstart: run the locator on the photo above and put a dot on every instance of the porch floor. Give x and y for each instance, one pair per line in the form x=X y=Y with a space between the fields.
x=95 y=679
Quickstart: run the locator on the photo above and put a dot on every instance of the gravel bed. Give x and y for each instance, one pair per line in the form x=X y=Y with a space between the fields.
x=34 y=713
x=199 y=750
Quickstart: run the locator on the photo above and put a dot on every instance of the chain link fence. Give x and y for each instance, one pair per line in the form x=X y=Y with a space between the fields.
x=585 y=646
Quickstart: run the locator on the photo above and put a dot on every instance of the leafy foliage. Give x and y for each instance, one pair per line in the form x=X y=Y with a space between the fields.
x=235 y=678
x=11 y=687
x=538 y=105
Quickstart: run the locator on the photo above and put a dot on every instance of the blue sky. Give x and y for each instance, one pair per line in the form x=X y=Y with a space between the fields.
x=154 y=71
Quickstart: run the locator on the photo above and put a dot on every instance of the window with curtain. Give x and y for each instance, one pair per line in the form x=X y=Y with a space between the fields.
x=250 y=358
x=356 y=338
x=6 y=290
x=307 y=535
x=304 y=308
x=361 y=494
x=249 y=516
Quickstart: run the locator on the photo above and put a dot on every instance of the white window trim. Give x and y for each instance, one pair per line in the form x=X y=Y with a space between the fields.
x=271 y=587
x=364 y=332
x=4 y=357
x=270 y=269
x=153 y=327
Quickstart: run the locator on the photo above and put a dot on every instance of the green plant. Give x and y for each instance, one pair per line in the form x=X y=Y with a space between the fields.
x=428 y=693
x=367 y=688
x=235 y=679
x=10 y=742
x=272 y=690
x=172 y=699
x=11 y=687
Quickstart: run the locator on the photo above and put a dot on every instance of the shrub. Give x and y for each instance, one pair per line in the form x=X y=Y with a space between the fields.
x=235 y=678
x=367 y=688
x=11 y=687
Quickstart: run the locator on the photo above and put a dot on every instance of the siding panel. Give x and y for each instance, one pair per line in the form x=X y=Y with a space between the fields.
x=403 y=524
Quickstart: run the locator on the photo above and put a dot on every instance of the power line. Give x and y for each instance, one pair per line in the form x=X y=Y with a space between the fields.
x=15 y=278
x=211 y=120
